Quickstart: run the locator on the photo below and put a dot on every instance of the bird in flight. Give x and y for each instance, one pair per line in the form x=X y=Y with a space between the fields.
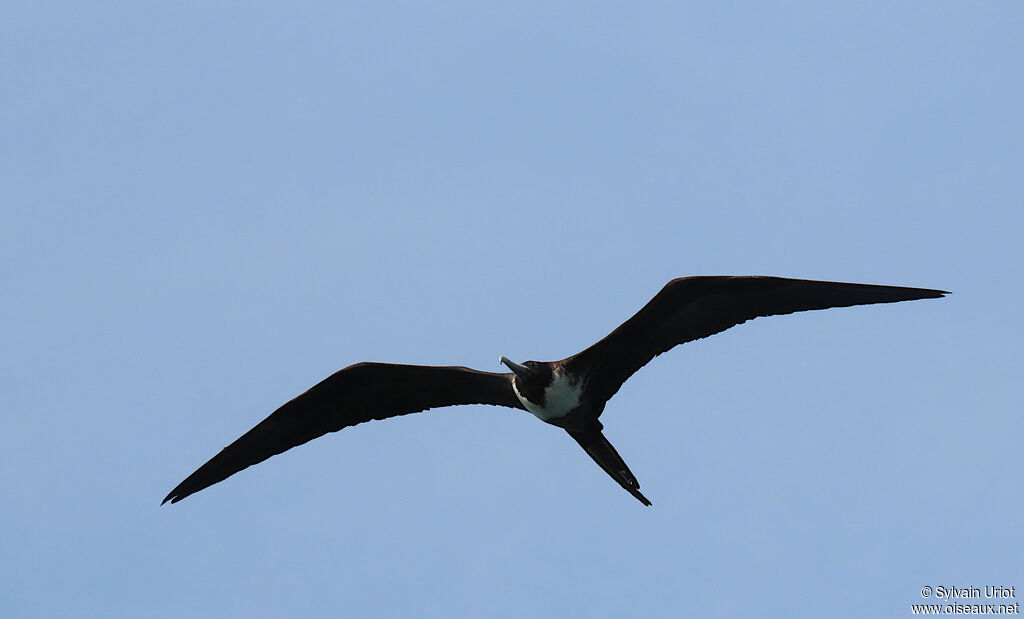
x=570 y=393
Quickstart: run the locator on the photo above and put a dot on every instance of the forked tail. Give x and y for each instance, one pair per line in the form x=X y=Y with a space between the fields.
x=595 y=444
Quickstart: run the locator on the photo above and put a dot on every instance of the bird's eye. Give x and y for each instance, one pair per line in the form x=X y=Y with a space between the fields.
x=530 y=364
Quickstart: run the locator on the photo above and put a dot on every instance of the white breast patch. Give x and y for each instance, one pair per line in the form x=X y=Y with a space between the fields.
x=560 y=397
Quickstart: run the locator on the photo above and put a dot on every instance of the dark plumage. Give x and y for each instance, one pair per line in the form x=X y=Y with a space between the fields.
x=570 y=393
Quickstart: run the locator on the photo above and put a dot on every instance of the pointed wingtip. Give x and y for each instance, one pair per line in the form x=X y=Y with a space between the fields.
x=926 y=293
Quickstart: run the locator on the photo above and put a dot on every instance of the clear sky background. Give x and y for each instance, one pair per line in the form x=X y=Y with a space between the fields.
x=205 y=208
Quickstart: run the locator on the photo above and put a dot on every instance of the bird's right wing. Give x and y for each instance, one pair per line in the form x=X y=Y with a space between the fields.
x=358 y=393
x=690 y=308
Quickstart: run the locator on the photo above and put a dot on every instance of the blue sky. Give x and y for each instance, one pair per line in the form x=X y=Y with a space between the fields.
x=207 y=208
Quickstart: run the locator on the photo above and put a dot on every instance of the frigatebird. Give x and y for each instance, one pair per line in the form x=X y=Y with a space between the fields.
x=570 y=393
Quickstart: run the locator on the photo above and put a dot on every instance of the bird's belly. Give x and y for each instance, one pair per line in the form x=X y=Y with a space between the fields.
x=561 y=397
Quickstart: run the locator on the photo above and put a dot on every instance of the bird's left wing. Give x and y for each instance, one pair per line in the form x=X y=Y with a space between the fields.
x=358 y=393
x=691 y=308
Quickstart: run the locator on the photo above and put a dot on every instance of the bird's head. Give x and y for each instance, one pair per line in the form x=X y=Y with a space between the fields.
x=531 y=378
